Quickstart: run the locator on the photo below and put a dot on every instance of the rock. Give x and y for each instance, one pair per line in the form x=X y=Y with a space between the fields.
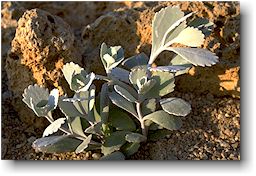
x=43 y=43
x=131 y=29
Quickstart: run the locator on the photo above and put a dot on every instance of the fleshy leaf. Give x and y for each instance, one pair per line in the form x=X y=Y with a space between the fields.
x=121 y=102
x=145 y=88
x=109 y=60
x=68 y=108
x=71 y=69
x=34 y=95
x=56 y=144
x=137 y=74
x=175 y=106
x=202 y=24
x=196 y=56
x=130 y=148
x=190 y=37
x=162 y=22
x=77 y=126
x=103 y=51
x=54 y=126
x=121 y=120
x=124 y=93
x=179 y=61
x=94 y=129
x=113 y=142
x=164 y=84
x=53 y=99
x=111 y=56
x=174 y=33
x=82 y=101
x=120 y=74
x=135 y=137
x=137 y=60
x=114 y=156
x=104 y=103
x=91 y=104
x=84 y=144
x=148 y=106
x=82 y=82
x=165 y=120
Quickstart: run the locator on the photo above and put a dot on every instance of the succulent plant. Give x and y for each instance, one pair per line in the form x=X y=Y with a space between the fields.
x=130 y=108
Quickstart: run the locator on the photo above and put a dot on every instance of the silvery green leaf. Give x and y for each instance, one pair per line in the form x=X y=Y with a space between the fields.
x=54 y=126
x=84 y=144
x=35 y=94
x=124 y=93
x=174 y=33
x=70 y=69
x=175 y=106
x=169 y=68
x=137 y=74
x=104 y=103
x=179 y=61
x=165 y=120
x=121 y=102
x=130 y=148
x=145 y=88
x=53 y=99
x=190 y=37
x=91 y=104
x=82 y=82
x=120 y=74
x=121 y=120
x=96 y=115
x=94 y=129
x=103 y=51
x=109 y=60
x=56 y=144
x=68 y=108
x=114 y=156
x=82 y=106
x=111 y=56
x=135 y=137
x=137 y=60
x=162 y=21
x=202 y=24
x=148 y=106
x=196 y=56
x=77 y=126
x=113 y=142
x=163 y=86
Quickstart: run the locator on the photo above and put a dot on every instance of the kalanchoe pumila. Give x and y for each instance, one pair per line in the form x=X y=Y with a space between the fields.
x=129 y=106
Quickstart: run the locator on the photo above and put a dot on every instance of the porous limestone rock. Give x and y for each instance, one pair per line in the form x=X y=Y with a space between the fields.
x=43 y=43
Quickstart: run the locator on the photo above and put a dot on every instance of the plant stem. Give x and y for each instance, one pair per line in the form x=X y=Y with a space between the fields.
x=142 y=124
